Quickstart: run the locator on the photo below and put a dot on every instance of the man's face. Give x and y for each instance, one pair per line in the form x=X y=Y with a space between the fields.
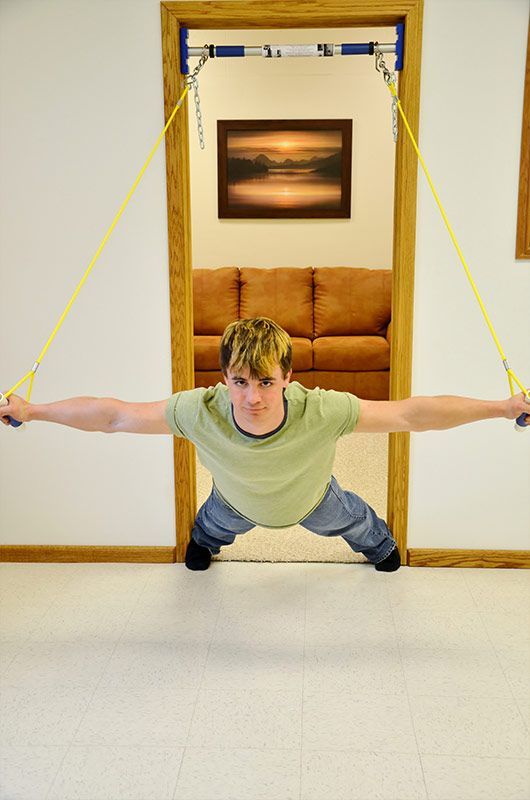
x=257 y=402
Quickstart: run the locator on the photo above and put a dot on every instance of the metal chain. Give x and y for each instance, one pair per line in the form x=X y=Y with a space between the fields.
x=191 y=81
x=389 y=78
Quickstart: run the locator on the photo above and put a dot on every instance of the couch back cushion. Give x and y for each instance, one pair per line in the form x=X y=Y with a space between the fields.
x=215 y=299
x=351 y=301
x=285 y=294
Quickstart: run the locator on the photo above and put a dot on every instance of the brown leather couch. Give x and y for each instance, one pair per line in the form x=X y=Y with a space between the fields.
x=338 y=319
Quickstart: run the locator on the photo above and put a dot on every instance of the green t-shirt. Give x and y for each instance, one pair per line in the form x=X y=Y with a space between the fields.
x=277 y=479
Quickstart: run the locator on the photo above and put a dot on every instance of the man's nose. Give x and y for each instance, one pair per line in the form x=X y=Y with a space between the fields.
x=254 y=395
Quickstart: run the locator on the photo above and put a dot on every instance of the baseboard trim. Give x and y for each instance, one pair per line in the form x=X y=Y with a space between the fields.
x=492 y=559
x=416 y=557
x=76 y=554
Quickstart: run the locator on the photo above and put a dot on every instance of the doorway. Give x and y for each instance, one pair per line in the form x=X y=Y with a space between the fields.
x=293 y=89
x=260 y=15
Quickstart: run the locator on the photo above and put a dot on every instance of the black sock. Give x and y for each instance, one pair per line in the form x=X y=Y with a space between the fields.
x=197 y=557
x=391 y=563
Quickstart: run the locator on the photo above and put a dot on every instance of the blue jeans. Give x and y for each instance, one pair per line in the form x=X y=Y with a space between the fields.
x=339 y=513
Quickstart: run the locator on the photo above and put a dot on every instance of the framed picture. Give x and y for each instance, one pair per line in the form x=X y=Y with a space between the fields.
x=284 y=168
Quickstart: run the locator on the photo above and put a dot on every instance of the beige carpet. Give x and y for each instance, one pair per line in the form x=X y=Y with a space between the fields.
x=360 y=466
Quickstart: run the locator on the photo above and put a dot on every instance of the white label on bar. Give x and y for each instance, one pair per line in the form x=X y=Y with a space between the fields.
x=288 y=50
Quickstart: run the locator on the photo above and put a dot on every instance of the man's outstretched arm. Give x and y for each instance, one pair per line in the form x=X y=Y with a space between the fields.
x=104 y=414
x=434 y=413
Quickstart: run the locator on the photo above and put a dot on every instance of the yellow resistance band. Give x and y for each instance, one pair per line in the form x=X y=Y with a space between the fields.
x=31 y=373
x=511 y=375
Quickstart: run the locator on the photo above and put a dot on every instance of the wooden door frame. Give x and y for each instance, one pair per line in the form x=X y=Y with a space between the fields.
x=268 y=14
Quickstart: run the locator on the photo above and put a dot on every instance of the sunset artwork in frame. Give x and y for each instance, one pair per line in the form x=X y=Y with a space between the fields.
x=284 y=168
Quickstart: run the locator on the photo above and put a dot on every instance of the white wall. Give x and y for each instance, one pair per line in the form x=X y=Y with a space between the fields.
x=296 y=88
x=469 y=486
x=81 y=104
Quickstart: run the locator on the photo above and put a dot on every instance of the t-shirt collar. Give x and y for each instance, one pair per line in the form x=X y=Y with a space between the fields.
x=263 y=435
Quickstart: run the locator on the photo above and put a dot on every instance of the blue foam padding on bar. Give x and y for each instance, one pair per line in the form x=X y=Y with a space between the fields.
x=184 y=51
x=234 y=51
x=355 y=49
x=400 y=30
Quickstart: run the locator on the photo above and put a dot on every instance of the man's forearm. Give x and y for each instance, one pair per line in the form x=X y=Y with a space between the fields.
x=440 y=413
x=84 y=413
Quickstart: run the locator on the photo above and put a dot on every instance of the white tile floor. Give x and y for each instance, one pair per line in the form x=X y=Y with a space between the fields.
x=263 y=682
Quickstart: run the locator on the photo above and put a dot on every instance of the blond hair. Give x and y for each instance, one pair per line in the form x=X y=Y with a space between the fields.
x=259 y=344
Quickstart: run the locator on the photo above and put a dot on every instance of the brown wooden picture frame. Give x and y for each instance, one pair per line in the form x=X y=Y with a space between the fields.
x=265 y=187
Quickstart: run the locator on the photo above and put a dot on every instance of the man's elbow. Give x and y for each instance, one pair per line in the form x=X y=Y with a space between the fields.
x=414 y=419
x=112 y=421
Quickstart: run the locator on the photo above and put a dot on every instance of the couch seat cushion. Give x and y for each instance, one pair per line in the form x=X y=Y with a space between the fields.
x=351 y=301
x=302 y=354
x=285 y=294
x=351 y=353
x=215 y=299
x=206 y=353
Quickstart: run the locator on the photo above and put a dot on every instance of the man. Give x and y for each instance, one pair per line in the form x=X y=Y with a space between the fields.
x=269 y=443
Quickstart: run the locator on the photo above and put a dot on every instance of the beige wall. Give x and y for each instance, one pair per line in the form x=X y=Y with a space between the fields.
x=296 y=88
x=81 y=104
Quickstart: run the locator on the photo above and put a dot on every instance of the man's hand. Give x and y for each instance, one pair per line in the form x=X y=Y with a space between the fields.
x=16 y=408
x=517 y=405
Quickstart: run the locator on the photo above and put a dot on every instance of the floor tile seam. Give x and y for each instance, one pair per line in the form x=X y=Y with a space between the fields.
x=197 y=693
x=468 y=578
x=400 y=695
x=383 y=753
x=481 y=757
x=39 y=619
x=307 y=749
x=248 y=748
x=499 y=662
x=421 y=695
x=133 y=607
x=484 y=610
x=303 y=685
x=21 y=643
x=259 y=749
x=197 y=688
x=84 y=714
x=149 y=572
x=425 y=606
x=388 y=577
x=460 y=696
x=182 y=755
x=114 y=746
x=83 y=595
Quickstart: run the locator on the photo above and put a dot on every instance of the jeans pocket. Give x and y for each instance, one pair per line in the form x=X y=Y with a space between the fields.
x=355 y=506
